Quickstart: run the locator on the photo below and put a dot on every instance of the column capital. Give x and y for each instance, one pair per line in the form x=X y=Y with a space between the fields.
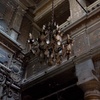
x=91 y=90
x=92 y=95
x=90 y=85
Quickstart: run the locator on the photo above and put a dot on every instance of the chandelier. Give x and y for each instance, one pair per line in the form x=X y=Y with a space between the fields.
x=49 y=45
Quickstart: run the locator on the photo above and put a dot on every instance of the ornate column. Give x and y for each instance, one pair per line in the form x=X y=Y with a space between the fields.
x=88 y=80
x=91 y=90
x=76 y=10
x=16 y=23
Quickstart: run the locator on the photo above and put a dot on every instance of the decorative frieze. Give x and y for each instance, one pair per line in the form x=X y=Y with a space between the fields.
x=8 y=78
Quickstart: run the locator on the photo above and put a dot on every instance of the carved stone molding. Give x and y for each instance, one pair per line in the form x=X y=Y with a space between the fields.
x=2 y=78
x=16 y=96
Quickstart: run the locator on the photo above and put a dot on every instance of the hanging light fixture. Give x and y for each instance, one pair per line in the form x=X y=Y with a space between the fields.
x=49 y=46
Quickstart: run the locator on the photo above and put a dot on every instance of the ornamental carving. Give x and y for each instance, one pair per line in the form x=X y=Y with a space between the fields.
x=2 y=78
x=16 y=70
x=16 y=96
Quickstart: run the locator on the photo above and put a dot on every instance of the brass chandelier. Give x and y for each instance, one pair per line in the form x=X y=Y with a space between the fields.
x=49 y=45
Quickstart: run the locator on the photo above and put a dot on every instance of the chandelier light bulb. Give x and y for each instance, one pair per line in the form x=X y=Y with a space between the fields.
x=28 y=41
x=47 y=41
x=60 y=52
x=57 y=27
x=58 y=37
x=59 y=43
x=44 y=27
x=30 y=35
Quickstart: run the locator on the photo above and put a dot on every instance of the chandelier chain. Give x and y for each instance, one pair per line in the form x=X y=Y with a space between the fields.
x=52 y=12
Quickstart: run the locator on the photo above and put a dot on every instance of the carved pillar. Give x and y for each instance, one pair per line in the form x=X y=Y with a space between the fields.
x=87 y=80
x=91 y=90
x=76 y=11
x=16 y=23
